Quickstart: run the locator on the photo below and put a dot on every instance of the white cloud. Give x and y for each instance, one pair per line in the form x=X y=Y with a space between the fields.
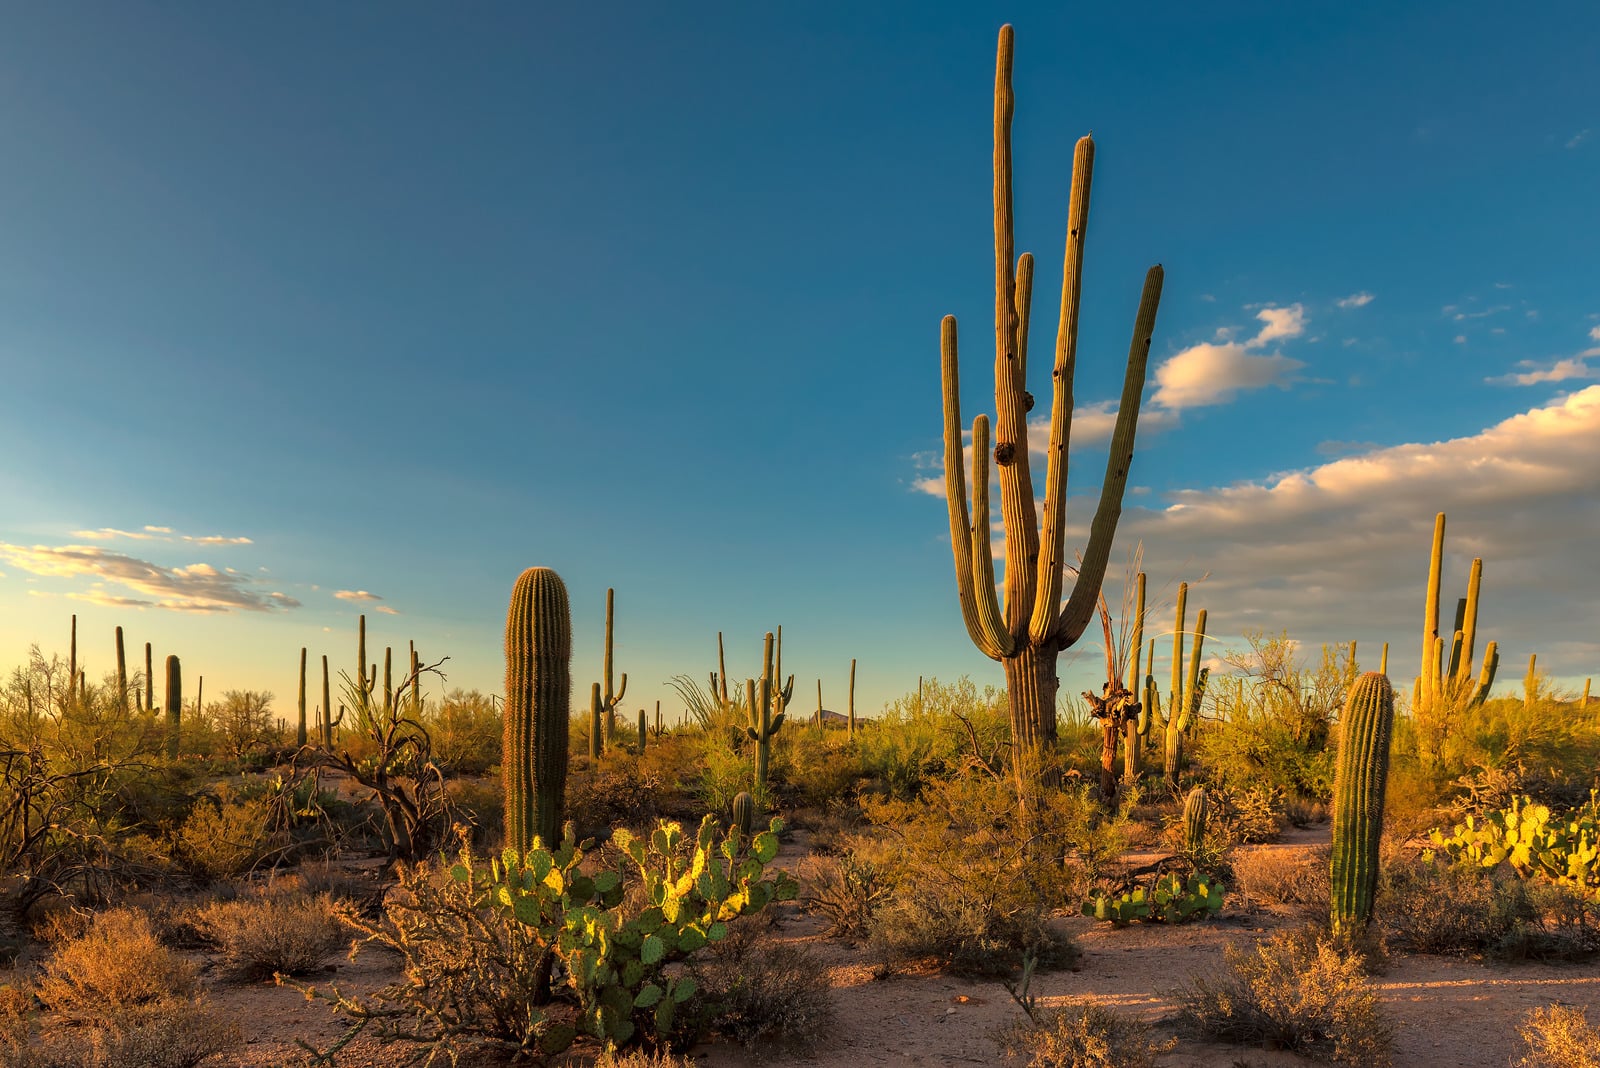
x=1207 y=374
x=1594 y=333
x=1578 y=138
x=218 y=539
x=1279 y=323
x=386 y=610
x=1355 y=300
x=194 y=588
x=110 y=533
x=357 y=595
x=1524 y=494
x=1558 y=371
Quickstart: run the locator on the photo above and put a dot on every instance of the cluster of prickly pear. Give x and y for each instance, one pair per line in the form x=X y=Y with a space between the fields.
x=1365 y=727
x=1171 y=899
x=1533 y=841
x=537 y=707
x=1194 y=822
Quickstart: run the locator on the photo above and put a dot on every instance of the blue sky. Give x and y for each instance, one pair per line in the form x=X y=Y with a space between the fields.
x=413 y=299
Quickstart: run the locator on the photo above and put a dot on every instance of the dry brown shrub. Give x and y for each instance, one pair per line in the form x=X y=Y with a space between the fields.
x=1084 y=1035
x=262 y=935
x=1270 y=876
x=638 y=1058
x=1559 y=1036
x=225 y=836
x=758 y=989
x=118 y=963
x=164 y=1034
x=1297 y=990
x=846 y=888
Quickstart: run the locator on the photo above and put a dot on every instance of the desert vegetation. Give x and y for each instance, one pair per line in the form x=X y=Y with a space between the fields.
x=536 y=876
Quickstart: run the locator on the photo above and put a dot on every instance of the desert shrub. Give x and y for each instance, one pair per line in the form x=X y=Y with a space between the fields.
x=725 y=769
x=164 y=1034
x=757 y=989
x=117 y=963
x=918 y=739
x=479 y=803
x=821 y=769
x=638 y=1058
x=1084 y=1035
x=1272 y=876
x=847 y=889
x=617 y=790
x=225 y=836
x=1245 y=815
x=972 y=885
x=260 y=935
x=465 y=728
x=1431 y=907
x=1303 y=812
x=316 y=877
x=1298 y=991
x=1558 y=1036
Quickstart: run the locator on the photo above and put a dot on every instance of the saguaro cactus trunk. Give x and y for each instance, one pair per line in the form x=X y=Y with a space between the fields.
x=1032 y=627
x=174 y=704
x=122 y=676
x=538 y=698
x=1361 y=777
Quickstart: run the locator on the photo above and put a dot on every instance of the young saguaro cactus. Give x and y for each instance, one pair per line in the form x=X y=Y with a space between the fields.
x=174 y=704
x=596 y=722
x=1194 y=822
x=764 y=723
x=537 y=709
x=1031 y=628
x=1360 y=779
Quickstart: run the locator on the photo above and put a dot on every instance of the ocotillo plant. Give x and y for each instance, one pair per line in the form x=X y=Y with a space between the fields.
x=764 y=723
x=612 y=700
x=122 y=676
x=174 y=704
x=1443 y=689
x=1029 y=631
x=300 y=726
x=1194 y=822
x=1360 y=779
x=537 y=709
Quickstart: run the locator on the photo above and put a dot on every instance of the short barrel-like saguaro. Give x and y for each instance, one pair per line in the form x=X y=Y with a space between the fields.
x=1361 y=777
x=537 y=707
x=1194 y=822
x=744 y=812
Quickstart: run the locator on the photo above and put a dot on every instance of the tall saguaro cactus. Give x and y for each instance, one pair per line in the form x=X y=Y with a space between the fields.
x=122 y=676
x=1134 y=729
x=538 y=698
x=174 y=704
x=326 y=721
x=1029 y=631
x=1445 y=688
x=1361 y=777
x=300 y=725
x=1188 y=688
x=612 y=700
x=149 y=680
x=765 y=721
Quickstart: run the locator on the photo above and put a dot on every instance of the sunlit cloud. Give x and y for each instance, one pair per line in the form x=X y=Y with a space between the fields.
x=356 y=595
x=218 y=539
x=386 y=610
x=1208 y=374
x=1537 y=373
x=1279 y=324
x=107 y=600
x=1355 y=300
x=196 y=587
x=153 y=533
x=109 y=533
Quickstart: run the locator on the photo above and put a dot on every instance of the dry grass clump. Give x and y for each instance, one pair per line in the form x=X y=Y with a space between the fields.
x=1282 y=876
x=638 y=1058
x=117 y=963
x=1084 y=1035
x=262 y=935
x=165 y=1034
x=846 y=888
x=757 y=989
x=1297 y=991
x=1559 y=1037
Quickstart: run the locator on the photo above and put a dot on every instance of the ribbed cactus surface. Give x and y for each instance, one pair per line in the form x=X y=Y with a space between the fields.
x=1366 y=725
x=1194 y=822
x=174 y=704
x=744 y=812
x=538 y=697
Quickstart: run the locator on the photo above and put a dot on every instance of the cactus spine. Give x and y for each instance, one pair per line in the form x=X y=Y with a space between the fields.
x=596 y=722
x=174 y=704
x=300 y=726
x=538 y=706
x=1032 y=628
x=763 y=722
x=1359 y=782
x=122 y=676
x=1194 y=822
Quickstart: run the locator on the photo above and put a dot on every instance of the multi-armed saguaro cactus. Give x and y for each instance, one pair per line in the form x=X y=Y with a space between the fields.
x=765 y=721
x=1444 y=688
x=612 y=700
x=538 y=697
x=1183 y=703
x=174 y=704
x=1362 y=774
x=1032 y=627
x=1194 y=822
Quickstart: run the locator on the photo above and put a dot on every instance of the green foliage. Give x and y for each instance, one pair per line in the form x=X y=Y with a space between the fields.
x=479 y=947
x=1172 y=898
x=918 y=740
x=1533 y=842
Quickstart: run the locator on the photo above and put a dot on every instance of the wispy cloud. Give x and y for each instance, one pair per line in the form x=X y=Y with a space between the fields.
x=357 y=595
x=151 y=533
x=218 y=539
x=192 y=588
x=1538 y=373
x=386 y=610
x=1578 y=138
x=1355 y=300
